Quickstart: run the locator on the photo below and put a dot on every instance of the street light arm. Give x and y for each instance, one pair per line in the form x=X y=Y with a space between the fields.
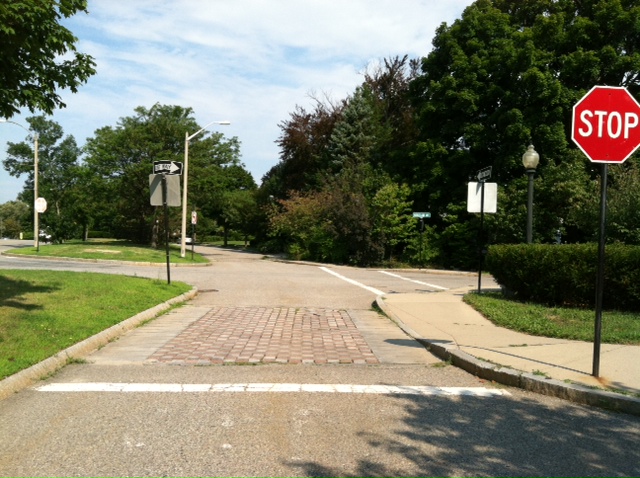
x=189 y=138
x=3 y=120
x=35 y=133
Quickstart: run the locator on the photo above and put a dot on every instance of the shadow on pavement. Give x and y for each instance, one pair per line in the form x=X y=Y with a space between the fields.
x=467 y=436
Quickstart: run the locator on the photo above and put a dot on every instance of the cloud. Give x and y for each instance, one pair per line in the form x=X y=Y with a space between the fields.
x=247 y=61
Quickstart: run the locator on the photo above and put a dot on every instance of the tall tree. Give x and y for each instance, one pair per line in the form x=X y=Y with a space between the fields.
x=303 y=150
x=58 y=169
x=122 y=157
x=14 y=216
x=508 y=73
x=38 y=56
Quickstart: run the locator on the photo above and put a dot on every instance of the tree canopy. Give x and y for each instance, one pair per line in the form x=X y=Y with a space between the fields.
x=503 y=76
x=58 y=176
x=38 y=56
x=121 y=159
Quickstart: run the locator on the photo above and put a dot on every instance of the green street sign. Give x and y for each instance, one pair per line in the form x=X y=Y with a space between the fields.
x=422 y=214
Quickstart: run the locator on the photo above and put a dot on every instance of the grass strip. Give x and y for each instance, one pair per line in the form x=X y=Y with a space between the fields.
x=44 y=312
x=556 y=322
x=112 y=250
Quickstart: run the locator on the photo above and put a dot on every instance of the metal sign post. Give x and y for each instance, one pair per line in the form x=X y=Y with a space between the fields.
x=166 y=224
x=597 y=336
x=483 y=175
x=421 y=216
x=165 y=192
x=194 y=221
x=606 y=126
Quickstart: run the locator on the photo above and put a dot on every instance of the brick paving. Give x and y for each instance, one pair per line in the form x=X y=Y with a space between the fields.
x=268 y=335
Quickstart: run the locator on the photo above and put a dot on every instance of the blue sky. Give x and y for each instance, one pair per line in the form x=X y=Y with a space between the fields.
x=247 y=61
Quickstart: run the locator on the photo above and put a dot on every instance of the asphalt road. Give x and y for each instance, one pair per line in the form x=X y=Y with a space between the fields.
x=238 y=430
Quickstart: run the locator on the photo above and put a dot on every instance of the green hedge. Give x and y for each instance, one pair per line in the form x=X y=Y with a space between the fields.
x=566 y=274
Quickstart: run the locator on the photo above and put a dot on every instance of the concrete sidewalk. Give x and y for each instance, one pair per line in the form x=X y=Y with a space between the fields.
x=454 y=331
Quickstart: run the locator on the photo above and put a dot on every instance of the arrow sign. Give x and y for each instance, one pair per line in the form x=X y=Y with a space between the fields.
x=484 y=174
x=170 y=168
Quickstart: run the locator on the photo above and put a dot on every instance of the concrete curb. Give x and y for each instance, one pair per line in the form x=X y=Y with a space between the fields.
x=28 y=376
x=105 y=261
x=515 y=378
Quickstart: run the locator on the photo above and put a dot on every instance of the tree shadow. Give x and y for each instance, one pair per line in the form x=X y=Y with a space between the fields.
x=12 y=293
x=494 y=436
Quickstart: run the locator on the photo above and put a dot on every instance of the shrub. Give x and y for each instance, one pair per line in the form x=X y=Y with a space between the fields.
x=566 y=274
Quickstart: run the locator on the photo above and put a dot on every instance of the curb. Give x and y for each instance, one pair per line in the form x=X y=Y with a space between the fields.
x=105 y=261
x=28 y=376
x=514 y=378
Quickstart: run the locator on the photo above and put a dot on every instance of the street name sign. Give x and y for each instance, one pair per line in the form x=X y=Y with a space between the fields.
x=484 y=174
x=167 y=167
x=606 y=124
x=422 y=214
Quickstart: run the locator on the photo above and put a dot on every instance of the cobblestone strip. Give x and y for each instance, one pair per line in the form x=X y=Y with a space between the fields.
x=268 y=335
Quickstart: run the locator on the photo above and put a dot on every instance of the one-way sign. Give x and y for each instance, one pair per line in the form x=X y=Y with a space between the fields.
x=167 y=167
x=484 y=174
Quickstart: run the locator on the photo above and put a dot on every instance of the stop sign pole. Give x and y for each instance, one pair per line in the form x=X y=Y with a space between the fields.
x=606 y=127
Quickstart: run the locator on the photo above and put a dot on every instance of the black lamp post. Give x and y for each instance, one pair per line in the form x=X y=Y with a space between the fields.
x=530 y=161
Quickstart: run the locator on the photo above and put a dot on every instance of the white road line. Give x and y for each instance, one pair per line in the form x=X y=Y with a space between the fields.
x=270 y=387
x=416 y=281
x=351 y=281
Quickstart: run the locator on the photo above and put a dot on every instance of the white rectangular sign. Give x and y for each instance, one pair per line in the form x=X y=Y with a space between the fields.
x=474 y=197
x=173 y=190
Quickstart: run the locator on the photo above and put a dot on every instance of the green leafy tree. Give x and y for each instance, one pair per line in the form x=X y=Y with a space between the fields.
x=14 y=216
x=300 y=224
x=508 y=73
x=303 y=150
x=122 y=157
x=58 y=169
x=391 y=212
x=38 y=56
x=238 y=213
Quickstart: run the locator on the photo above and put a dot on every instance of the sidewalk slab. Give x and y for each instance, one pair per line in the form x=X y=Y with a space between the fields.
x=451 y=328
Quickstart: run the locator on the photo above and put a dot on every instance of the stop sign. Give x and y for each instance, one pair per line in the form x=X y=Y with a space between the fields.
x=606 y=124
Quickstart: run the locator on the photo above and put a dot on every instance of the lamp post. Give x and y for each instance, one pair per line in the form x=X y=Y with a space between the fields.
x=36 y=225
x=183 y=229
x=530 y=161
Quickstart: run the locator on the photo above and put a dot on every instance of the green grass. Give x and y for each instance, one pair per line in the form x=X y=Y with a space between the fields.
x=556 y=322
x=112 y=250
x=44 y=312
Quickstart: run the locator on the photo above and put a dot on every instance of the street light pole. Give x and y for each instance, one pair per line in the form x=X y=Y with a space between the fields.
x=36 y=214
x=185 y=179
x=36 y=225
x=530 y=161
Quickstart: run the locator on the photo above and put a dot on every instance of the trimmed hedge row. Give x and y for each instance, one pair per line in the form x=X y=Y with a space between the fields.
x=566 y=274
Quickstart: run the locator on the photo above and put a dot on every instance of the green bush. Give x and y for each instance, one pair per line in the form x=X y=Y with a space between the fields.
x=566 y=274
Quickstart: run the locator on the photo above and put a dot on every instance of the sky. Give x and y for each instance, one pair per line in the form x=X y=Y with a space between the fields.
x=250 y=62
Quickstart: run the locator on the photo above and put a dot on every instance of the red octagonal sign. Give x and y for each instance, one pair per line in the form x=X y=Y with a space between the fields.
x=606 y=124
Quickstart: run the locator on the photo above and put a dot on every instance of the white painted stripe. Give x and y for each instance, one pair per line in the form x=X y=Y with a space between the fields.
x=351 y=281
x=270 y=387
x=416 y=281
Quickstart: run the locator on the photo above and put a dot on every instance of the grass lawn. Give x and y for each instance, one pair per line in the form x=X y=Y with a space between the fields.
x=112 y=250
x=557 y=322
x=43 y=312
